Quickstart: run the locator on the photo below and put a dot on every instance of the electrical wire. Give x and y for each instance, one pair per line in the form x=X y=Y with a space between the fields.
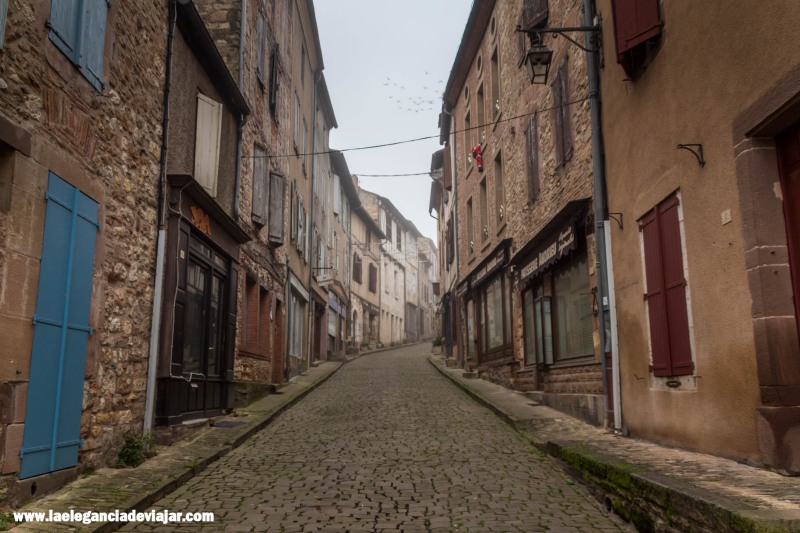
x=407 y=141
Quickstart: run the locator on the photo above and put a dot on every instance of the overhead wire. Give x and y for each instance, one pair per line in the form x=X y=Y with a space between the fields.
x=407 y=141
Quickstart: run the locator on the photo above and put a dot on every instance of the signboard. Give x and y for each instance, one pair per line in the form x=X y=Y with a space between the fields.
x=489 y=267
x=549 y=252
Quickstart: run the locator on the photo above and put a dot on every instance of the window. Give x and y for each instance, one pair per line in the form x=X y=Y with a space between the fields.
x=666 y=290
x=637 y=28
x=449 y=241
x=256 y=318
x=481 y=114
x=373 y=278
x=499 y=189
x=388 y=229
x=557 y=311
x=484 y=206
x=495 y=84
x=206 y=149
x=260 y=187
x=78 y=29
x=561 y=115
x=534 y=14
x=303 y=154
x=277 y=190
x=399 y=241
x=356 y=268
x=470 y=227
x=261 y=42
x=273 y=83
x=396 y=285
x=532 y=145
x=302 y=66
x=468 y=133
x=296 y=123
x=386 y=277
x=494 y=318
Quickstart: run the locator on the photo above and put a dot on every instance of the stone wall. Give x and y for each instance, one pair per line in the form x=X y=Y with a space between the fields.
x=108 y=145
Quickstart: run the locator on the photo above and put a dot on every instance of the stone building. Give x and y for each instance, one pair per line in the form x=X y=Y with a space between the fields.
x=252 y=38
x=81 y=111
x=198 y=319
x=428 y=275
x=707 y=262
x=365 y=297
x=522 y=189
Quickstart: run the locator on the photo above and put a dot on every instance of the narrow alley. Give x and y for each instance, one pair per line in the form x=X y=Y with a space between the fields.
x=386 y=444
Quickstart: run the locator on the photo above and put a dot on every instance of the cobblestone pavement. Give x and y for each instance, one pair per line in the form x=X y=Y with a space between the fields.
x=387 y=444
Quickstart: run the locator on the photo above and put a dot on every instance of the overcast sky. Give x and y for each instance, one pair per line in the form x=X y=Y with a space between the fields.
x=386 y=66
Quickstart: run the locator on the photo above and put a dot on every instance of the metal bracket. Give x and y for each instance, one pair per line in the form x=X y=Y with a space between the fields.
x=613 y=216
x=698 y=154
x=593 y=38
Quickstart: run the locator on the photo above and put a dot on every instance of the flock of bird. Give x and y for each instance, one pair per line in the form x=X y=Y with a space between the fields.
x=424 y=100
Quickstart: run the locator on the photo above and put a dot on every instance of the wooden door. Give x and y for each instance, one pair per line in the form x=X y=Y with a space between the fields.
x=788 y=145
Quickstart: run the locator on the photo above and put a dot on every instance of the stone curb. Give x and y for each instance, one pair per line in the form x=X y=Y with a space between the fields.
x=634 y=492
x=199 y=464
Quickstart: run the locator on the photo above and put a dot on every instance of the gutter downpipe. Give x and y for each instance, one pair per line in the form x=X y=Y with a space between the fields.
x=240 y=121
x=310 y=237
x=606 y=308
x=161 y=244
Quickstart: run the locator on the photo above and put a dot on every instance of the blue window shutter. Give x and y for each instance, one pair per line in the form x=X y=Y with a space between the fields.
x=93 y=40
x=61 y=328
x=65 y=23
x=3 y=11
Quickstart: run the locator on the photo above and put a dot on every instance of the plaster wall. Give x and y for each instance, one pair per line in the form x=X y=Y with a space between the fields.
x=703 y=76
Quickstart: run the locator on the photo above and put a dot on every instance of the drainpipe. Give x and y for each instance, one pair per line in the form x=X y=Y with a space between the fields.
x=158 y=290
x=317 y=77
x=606 y=309
x=240 y=121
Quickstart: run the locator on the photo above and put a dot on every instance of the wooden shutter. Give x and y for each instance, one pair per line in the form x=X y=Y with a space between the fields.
x=666 y=291
x=337 y=195
x=260 y=193
x=656 y=303
x=3 y=11
x=94 y=40
x=273 y=82
x=635 y=21
x=207 y=136
x=64 y=22
x=532 y=145
x=558 y=118
x=564 y=110
x=261 y=43
x=675 y=288
x=277 y=191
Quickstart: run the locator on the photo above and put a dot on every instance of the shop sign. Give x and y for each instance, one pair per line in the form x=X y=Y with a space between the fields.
x=489 y=267
x=551 y=251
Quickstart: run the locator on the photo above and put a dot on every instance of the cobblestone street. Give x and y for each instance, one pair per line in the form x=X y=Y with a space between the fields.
x=387 y=444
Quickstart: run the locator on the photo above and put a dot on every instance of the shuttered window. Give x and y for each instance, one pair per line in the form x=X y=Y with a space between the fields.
x=373 y=278
x=260 y=190
x=277 y=191
x=561 y=115
x=207 y=136
x=3 y=11
x=261 y=30
x=78 y=29
x=666 y=290
x=337 y=195
x=273 y=83
x=635 y=21
x=356 y=268
x=532 y=153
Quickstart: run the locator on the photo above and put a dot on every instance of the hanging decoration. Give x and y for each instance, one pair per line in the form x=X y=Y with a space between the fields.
x=476 y=154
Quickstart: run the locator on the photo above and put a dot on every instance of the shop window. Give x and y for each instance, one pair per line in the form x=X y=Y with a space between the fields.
x=557 y=314
x=494 y=315
x=666 y=290
x=78 y=29
x=207 y=140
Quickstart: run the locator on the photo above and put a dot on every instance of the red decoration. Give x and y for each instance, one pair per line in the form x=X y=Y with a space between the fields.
x=476 y=154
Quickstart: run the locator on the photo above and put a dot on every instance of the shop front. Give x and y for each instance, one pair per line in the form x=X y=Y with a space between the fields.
x=198 y=334
x=557 y=297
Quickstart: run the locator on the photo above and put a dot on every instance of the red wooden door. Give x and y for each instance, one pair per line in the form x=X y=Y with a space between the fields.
x=789 y=163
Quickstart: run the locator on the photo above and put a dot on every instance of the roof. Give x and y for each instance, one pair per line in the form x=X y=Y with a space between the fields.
x=202 y=44
x=325 y=98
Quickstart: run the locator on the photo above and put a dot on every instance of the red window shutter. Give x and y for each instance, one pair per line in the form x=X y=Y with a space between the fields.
x=656 y=301
x=635 y=21
x=675 y=288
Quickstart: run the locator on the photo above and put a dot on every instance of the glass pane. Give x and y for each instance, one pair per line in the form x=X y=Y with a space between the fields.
x=470 y=330
x=494 y=313
x=573 y=309
x=530 y=336
x=507 y=301
x=194 y=333
x=547 y=326
x=215 y=328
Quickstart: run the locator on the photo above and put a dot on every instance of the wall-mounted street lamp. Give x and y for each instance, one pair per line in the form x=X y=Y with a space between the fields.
x=538 y=57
